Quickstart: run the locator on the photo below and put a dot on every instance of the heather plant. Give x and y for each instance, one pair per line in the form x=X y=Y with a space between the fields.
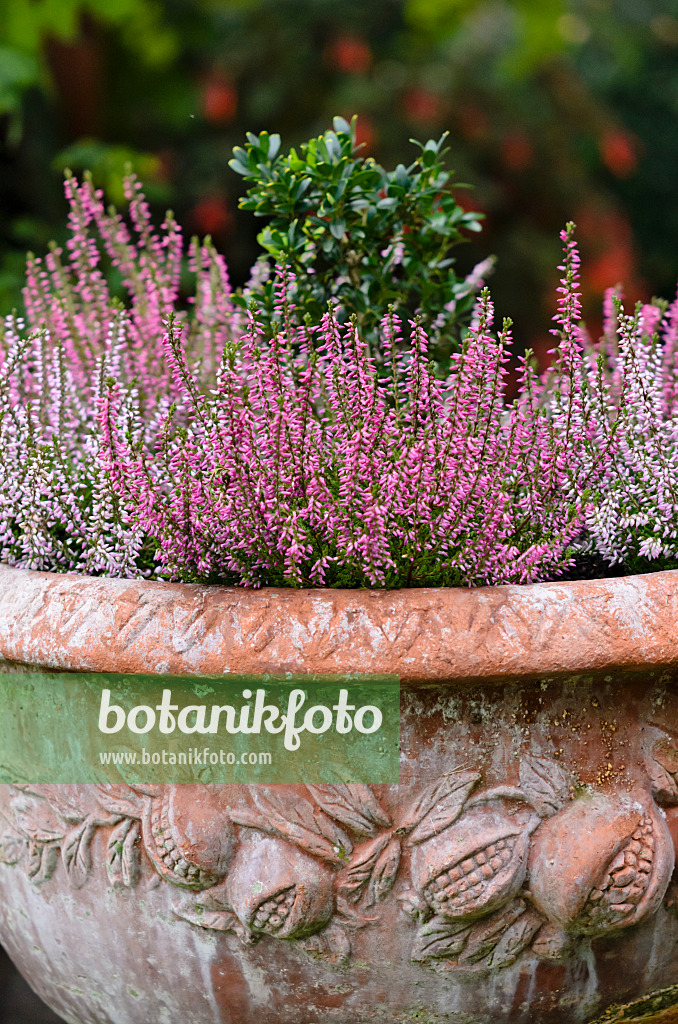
x=163 y=431
x=358 y=235
x=634 y=520
x=58 y=507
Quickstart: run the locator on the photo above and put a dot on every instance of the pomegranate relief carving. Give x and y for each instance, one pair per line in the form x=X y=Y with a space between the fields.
x=484 y=875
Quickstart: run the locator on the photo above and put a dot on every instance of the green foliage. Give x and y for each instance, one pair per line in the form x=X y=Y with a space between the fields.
x=25 y=25
x=17 y=71
x=356 y=234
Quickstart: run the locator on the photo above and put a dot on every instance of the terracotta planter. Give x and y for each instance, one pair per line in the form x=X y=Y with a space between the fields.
x=522 y=871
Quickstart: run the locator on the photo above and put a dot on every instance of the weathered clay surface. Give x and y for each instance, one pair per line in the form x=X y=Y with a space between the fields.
x=493 y=632
x=521 y=872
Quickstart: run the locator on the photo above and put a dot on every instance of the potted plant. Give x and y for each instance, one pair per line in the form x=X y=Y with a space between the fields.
x=322 y=496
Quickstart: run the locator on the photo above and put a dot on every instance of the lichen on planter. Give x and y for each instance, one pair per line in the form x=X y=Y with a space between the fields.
x=522 y=869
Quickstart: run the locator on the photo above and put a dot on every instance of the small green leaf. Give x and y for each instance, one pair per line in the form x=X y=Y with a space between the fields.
x=338 y=228
x=402 y=177
x=302 y=187
x=332 y=143
x=238 y=167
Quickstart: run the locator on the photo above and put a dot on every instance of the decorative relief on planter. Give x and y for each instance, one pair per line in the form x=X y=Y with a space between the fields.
x=485 y=875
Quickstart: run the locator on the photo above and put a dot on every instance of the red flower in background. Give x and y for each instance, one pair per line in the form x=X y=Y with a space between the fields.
x=517 y=152
x=219 y=99
x=609 y=257
x=618 y=151
x=349 y=54
x=613 y=267
x=608 y=237
x=423 y=105
x=212 y=216
x=472 y=122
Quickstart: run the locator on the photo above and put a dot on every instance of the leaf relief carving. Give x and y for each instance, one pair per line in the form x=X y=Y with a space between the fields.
x=35 y=819
x=123 y=862
x=545 y=783
x=662 y=770
x=354 y=806
x=13 y=845
x=41 y=862
x=120 y=800
x=485 y=936
x=295 y=819
x=515 y=939
x=76 y=852
x=212 y=913
x=437 y=807
x=440 y=937
x=354 y=878
x=384 y=873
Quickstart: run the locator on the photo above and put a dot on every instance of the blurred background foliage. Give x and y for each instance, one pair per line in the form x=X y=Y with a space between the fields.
x=557 y=110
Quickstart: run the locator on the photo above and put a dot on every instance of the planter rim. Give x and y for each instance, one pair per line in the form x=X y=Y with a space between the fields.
x=100 y=624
